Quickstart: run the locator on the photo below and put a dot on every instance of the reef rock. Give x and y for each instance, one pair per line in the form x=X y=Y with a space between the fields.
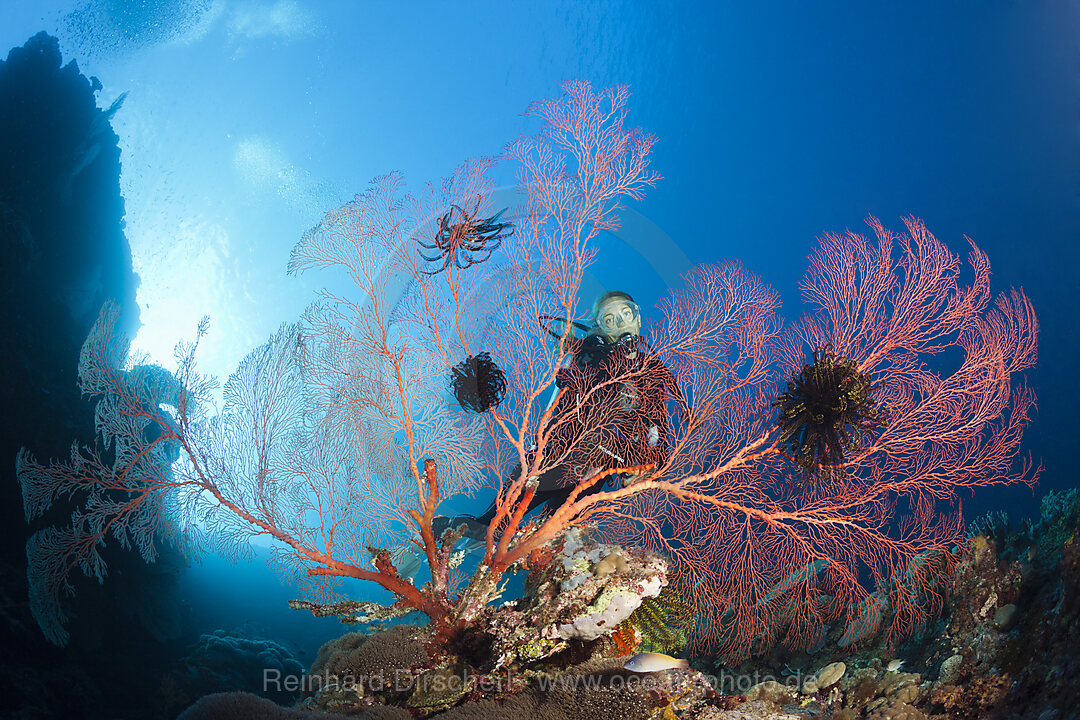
x=566 y=599
x=898 y=711
x=771 y=691
x=824 y=678
x=1005 y=617
x=950 y=669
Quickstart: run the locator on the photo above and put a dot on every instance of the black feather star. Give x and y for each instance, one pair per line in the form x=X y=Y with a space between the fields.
x=827 y=410
x=478 y=383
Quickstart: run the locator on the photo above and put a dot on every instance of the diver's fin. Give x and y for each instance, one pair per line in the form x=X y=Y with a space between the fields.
x=408 y=561
x=475 y=529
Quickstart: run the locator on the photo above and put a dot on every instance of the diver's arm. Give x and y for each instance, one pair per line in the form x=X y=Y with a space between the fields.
x=586 y=357
x=672 y=386
x=560 y=381
x=561 y=378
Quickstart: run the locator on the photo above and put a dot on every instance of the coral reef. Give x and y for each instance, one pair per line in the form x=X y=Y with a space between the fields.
x=553 y=653
x=575 y=599
x=245 y=706
x=568 y=600
x=592 y=689
x=1002 y=649
x=224 y=661
x=1015 y=621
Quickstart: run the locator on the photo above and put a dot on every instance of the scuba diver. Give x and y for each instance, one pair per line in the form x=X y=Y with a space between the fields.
x=612 y=411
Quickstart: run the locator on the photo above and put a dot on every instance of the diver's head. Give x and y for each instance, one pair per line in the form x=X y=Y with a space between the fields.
x=617 y=316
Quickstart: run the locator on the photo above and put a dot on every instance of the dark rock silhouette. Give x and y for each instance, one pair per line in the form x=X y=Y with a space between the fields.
x=62 y=254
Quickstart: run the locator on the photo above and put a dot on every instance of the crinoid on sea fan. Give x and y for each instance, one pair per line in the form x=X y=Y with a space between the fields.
x=662 y=622
x=463 y=239
x=478 y=383
x=827 y=411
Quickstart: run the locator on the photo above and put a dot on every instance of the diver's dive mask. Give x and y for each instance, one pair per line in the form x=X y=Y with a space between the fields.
x=619 y=320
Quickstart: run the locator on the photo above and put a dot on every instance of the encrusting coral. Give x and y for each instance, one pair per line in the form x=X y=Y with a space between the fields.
x=568 y=609
x=1003 y=648
x=566 y=600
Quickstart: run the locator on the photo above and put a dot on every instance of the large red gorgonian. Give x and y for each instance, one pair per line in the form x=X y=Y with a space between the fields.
x=338 y=440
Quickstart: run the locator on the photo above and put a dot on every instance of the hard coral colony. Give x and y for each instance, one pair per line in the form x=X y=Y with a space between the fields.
x=336 y=439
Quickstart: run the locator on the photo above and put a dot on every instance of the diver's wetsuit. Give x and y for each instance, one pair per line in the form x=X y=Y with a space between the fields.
x=621 y=424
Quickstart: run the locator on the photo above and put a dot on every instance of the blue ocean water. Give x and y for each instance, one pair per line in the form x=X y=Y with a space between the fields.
x=244 y=122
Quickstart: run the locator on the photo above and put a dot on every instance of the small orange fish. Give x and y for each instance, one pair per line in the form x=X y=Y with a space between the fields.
x=648 y=662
